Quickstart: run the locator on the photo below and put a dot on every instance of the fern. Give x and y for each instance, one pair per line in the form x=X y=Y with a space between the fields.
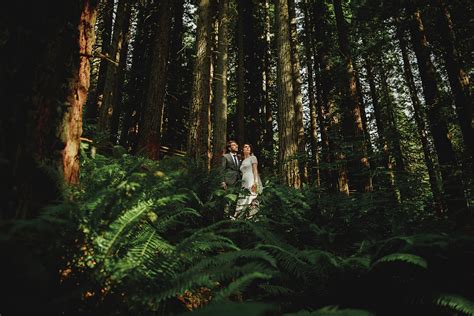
x=403 y=257
x=455 y=303
x=240 y=284
x=109 y=240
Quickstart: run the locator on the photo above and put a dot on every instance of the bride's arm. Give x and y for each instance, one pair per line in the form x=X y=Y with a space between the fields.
x=255 y=176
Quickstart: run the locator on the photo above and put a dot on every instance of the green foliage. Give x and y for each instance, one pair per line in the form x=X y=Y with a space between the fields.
x=139 y=236
x=456 y=304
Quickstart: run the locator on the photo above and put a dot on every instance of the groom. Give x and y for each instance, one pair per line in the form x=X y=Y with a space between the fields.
x=230 y=165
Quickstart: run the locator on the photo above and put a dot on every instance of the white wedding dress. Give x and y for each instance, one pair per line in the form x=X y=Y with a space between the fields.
x=247 y=203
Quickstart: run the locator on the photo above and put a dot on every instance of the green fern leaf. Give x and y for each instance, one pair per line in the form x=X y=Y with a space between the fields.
x=456 y=303
x=403 y=257
x=240 y=284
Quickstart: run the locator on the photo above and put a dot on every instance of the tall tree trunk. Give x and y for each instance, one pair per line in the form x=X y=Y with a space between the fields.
x=363 y=113
x=149 y=137
x=137 y=78
x=121 y=25
x=420 y=122
x=336 y=179
x=175 y=104
x=118 y=94
x=452 y=183
x=458 y=80
x=241 y=97
x=288 y=138
x=43 y=97
x=295 y=60
x=199 y=130
x=387 y=178
x=268 y=135
x=358 y=162
x=392 y=131
x=311 y=92
x=220 y=100
x=105 y=31
x=120 y=83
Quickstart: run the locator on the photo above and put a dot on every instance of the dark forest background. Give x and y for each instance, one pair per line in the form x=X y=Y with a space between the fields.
x=115 y=115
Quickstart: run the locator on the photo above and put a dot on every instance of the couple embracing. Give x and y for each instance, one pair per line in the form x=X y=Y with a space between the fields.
x=242 y=169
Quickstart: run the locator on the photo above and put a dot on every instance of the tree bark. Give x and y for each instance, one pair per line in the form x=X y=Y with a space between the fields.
x=452 y=183
x=199 y=130
x=380 y=123
x=105 y=31
x=288 y=138
x=336 y=177
x=175 y=101
x=311 y=93
x=149 y=137
x=43 y=97
x=121 y=25
x=137 y=79
x=458 y=80
x=241 y=97
x=358 y=162
x=420 y=122
x=220 y=99
x=268 y=143
x=297 y=82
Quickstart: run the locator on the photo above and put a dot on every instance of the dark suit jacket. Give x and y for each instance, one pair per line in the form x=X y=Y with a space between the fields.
x=230 y=172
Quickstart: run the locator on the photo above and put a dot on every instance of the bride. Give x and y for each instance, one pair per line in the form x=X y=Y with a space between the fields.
x=247 y=202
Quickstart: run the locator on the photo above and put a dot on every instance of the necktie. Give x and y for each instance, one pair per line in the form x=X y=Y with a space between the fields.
x=235 y=160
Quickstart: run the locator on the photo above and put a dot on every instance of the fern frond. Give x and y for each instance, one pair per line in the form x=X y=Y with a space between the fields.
x=170 y=219
x=403 y=257
x=109 y=240
x=456 y=303
x=287 y=260
x=276 y=290
x=240 y=284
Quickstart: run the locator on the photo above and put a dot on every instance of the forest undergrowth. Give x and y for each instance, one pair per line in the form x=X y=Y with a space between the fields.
x=154 y=238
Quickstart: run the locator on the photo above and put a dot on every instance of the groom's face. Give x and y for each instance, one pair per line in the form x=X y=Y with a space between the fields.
x=234 y=147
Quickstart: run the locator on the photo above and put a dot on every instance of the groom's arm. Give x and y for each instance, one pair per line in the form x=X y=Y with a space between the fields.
x=223 y=166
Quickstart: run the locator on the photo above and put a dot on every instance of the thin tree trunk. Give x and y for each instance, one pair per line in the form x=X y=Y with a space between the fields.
x=120 y=85
x=198 y=146
x=458 y=80
x=94 y=102
x=288 y=138
x=295 y=60
x=358 y=162
x=387 y=179
x=124 y=9
x=240 y=75
x=149 y=137
x=137 y=78
x=268 y=136
x=452 y=183
x=360 y=94
x=175 y=105
x=220 y=100
x=336 y=178
x=420 y=122
x=392 y=131
x=311 y=93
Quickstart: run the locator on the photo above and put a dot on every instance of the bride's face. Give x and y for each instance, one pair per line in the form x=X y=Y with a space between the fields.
x=246 y=149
